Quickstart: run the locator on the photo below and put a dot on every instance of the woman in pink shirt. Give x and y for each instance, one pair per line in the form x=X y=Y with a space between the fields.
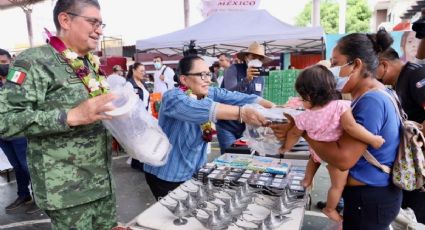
x=325 y=119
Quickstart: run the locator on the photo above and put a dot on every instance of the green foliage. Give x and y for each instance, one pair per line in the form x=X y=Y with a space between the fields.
x=357 y=16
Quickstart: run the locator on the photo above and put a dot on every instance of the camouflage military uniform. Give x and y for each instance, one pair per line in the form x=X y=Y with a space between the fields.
x=83 y=216
x=69 y=166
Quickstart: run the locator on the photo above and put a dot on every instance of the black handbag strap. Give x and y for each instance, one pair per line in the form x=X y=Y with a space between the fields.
x=163 y=71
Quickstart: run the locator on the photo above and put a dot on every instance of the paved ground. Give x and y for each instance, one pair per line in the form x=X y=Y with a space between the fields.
x=133 y=196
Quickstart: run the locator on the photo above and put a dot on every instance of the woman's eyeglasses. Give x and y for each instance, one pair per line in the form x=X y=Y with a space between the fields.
x=202 y=75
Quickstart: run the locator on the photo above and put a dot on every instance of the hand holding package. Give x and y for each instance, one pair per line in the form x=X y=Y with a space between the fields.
x=262 y=139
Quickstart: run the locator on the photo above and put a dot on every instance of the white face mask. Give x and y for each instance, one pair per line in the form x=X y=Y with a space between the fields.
x=340 y=81
x=254 y=63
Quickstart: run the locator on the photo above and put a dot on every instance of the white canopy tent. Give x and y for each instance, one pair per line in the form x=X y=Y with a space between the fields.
x=232 y=32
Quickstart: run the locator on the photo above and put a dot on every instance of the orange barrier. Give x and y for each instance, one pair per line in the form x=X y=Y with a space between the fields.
x=155 y=100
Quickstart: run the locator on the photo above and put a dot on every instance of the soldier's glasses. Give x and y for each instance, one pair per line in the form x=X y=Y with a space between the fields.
x=202 y=75
x=96 y=23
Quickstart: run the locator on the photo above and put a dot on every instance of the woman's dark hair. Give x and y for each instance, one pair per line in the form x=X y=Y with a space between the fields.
x=150 y=77
x=130 y=72
x=214 y=65
x=389 y=54
x=185 y=65
x=132 y=68
x=72 y=6
x=317 y=85
x=366 y=47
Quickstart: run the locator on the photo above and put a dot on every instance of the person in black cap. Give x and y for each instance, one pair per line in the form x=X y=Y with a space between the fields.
x=408 y=80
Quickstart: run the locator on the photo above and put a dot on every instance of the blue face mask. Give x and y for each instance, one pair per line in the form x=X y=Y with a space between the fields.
x=157 y=65
x=340 y=81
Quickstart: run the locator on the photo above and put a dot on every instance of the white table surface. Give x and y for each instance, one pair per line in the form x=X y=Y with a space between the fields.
x=159 y=217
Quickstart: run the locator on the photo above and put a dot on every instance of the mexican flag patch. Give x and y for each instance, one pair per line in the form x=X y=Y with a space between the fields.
x=15 y=76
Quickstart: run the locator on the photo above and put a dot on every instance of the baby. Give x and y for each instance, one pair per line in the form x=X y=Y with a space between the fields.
x=325 y=119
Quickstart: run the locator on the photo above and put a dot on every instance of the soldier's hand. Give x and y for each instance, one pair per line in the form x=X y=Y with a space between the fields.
x=251 y=72
x=252 y=117
x=161 y=77
x=91 y=110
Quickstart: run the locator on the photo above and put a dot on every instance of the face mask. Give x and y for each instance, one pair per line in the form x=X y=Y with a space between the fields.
x=255 y=63
x=157 y=65
x=340 y=81
x=4 y=69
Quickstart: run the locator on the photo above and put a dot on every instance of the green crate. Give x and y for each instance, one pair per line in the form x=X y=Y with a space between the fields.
x=279 y=86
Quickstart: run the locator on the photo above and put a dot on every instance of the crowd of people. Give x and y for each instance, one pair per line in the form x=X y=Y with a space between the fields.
x=56 y=95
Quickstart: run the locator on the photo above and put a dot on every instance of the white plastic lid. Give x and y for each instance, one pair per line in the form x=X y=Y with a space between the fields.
x=126 y=100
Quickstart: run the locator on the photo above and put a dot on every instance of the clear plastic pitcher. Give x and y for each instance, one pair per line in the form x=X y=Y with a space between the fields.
x=135 y=129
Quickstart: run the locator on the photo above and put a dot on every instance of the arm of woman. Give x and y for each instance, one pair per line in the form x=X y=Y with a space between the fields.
x=359 y=132
x=342 y=154
x=179 y=106
x=292 y=138
x=266 y=103
x=236 y=98
x=246 y=114
x=371 y=111
x=281 y=130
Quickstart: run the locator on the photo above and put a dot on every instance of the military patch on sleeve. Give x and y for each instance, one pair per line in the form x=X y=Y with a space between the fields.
x=15 y=76
x=23 y=64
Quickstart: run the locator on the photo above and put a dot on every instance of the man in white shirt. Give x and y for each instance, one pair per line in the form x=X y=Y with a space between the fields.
x=163 y=77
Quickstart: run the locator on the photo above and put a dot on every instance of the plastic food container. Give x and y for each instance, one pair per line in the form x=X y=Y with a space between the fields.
x=135 y=129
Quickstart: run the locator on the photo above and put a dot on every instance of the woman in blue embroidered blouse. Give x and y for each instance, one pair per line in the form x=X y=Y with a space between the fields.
x=371 y=201
x=183 y=113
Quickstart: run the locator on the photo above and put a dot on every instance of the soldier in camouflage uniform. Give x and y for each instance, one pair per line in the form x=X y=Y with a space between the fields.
x=69 y=153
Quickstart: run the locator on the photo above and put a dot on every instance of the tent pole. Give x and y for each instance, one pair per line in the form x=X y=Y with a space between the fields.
x=28 y=12
x=315 y=14
x=186 y=13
